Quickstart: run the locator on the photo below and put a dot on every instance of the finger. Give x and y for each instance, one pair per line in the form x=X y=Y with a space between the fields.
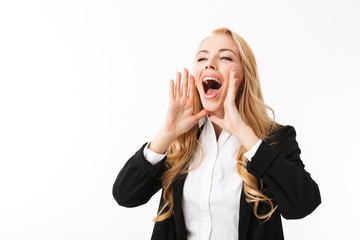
x=185 y=82
x=171 y=90
x=177 y=85
x=192 y=88
x=201 y=114
x=232 y=86
x=217 y=121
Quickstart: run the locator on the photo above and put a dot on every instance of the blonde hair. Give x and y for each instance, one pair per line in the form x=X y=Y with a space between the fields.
x=253 y=111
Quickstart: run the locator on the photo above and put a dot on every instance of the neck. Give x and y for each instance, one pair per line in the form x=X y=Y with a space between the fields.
x=217 y=128
x=218 y=113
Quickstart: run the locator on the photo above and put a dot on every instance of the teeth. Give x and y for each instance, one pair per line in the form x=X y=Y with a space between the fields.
x=210 y=78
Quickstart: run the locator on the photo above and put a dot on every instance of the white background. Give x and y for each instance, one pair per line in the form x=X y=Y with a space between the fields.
x=84 y=84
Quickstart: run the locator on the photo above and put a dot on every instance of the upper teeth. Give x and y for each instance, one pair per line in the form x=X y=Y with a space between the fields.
x=206 y=79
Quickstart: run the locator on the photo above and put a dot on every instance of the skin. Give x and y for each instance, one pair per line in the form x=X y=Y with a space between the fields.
x=223 y=113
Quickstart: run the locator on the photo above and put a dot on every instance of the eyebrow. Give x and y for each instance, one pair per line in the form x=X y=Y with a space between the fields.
x=220 y=50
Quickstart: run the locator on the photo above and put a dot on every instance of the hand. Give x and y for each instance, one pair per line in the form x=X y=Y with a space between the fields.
x=180 y=116
x=232 y=121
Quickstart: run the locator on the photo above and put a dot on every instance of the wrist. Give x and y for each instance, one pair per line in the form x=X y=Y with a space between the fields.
x=168 y=133
x=247 y=138
x=162 y=141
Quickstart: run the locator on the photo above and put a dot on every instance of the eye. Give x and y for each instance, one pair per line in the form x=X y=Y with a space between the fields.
x=226 y=58
x=201 y=59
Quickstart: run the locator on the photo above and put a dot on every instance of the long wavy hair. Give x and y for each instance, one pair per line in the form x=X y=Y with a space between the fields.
x=253 y=111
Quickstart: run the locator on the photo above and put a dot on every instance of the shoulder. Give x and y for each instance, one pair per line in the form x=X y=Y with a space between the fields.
x=279 y=131
x=286 y=131
x=281 y=136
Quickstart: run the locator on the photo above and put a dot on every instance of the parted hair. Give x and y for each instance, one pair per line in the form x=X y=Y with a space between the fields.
x=253 y=111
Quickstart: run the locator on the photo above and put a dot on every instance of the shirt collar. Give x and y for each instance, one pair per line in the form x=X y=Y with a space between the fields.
x=202 y=121
x=207 y=119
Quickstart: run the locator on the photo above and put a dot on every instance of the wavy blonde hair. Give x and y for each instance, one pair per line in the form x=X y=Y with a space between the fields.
x=253 y=111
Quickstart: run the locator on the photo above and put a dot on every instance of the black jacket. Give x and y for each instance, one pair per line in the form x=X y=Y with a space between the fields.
x=279 y=166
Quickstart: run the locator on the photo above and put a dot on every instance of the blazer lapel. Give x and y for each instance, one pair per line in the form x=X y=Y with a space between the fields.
x=244 y=217
x=178 y=214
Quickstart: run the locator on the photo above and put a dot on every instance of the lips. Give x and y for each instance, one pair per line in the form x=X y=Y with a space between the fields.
x=211 y=85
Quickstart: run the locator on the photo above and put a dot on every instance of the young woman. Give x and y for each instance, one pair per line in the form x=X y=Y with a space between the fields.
x=226 y=169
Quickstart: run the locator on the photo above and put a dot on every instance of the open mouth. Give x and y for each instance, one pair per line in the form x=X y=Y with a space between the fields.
x=211 y=85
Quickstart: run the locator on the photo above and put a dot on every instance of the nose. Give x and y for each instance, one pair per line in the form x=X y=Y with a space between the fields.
x=210 y=65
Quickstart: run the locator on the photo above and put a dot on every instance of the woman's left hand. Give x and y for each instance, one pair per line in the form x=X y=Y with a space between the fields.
x=232 y=121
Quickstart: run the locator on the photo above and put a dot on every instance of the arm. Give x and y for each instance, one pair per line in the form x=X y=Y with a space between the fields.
x=293 y=189
x=138 y=180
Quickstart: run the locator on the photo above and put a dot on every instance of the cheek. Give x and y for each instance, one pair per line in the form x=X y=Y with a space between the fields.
x=198 y=87
x=226 y=89
x=240 y=73
x=197 y=80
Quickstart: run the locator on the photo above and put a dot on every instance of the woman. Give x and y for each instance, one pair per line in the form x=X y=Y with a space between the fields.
x=226 y=169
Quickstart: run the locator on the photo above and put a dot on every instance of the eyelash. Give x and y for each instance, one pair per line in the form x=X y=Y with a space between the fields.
x=202 y=59
x=227 y=58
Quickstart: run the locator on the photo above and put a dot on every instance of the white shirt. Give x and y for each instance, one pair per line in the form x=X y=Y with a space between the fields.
x=211 y=194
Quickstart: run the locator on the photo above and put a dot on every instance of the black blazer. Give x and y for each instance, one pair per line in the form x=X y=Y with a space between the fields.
x=279 y=166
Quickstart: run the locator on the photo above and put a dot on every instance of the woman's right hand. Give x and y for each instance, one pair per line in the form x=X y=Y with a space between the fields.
x=180 y=116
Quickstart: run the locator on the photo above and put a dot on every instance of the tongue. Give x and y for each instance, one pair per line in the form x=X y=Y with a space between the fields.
x=211 y=91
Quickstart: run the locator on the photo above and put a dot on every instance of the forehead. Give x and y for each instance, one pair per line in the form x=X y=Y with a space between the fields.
x=216 y=42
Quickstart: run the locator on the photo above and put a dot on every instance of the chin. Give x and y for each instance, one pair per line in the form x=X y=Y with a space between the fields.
x=211 y=107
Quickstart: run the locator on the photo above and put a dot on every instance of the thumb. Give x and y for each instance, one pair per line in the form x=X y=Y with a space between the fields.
x=217 y=121
x=201 y=114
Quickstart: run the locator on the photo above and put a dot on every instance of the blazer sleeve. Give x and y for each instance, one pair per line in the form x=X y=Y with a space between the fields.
x=283 y=172
x=138 y=180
